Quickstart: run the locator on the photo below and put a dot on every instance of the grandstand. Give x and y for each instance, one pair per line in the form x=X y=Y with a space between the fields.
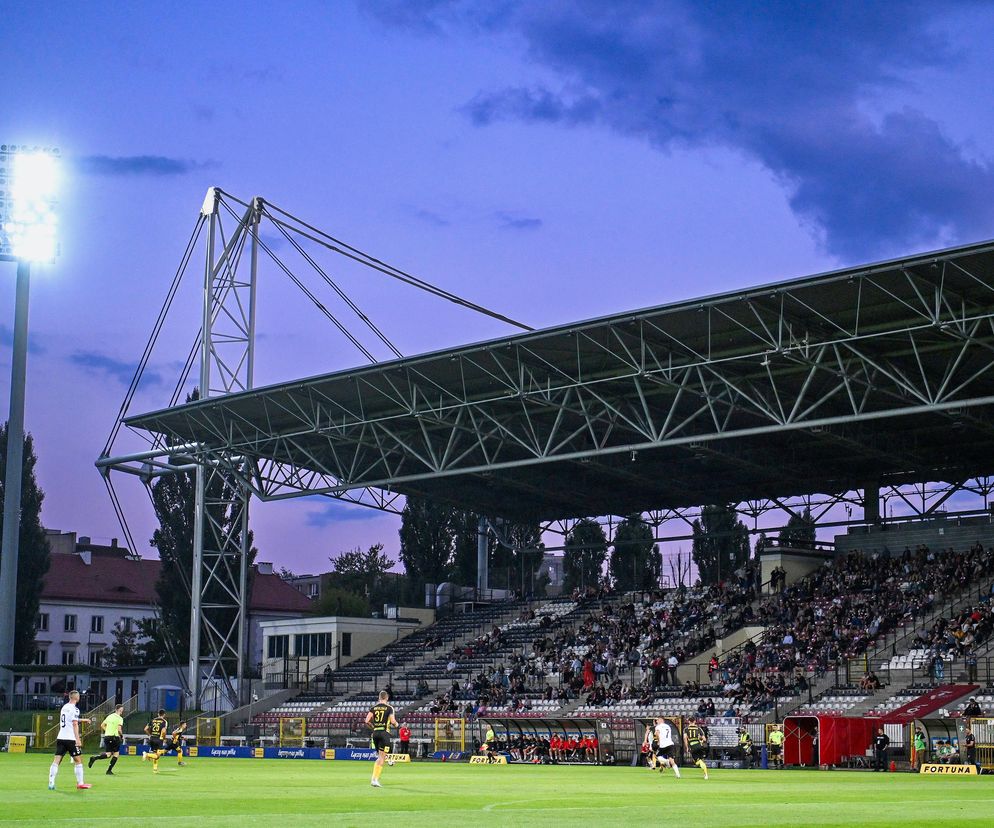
x=661 y=409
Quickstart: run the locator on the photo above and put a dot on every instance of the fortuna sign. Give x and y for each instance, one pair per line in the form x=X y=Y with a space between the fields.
x=934 y=770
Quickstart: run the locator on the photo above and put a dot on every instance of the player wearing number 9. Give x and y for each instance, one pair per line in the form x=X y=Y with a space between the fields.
x=69 y=741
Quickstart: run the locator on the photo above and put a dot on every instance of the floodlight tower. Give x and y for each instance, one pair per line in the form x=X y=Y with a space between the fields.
x=28 y=182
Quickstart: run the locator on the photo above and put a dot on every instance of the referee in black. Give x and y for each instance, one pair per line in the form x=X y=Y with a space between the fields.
x=880 y=744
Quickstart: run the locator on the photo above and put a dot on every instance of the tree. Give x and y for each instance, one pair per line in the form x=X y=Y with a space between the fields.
x=513 y=550
x=721 y=543
x=338 y=601
x=174 y=501
x=799 y=532
x=359 y=571
x=426 y=540
x=586 y=551
x=465 y=528
x=524 y=558
x=125 y=650
x=636 y=561
x=33 y=551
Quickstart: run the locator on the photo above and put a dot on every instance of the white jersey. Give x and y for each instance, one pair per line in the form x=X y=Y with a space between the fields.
x=664 y=735
x=68 y=715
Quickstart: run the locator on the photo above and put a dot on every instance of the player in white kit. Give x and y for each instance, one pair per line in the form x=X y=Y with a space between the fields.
x=666 y=749
x=69 y=741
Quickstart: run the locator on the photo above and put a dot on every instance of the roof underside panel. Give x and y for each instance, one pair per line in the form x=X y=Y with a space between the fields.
x=874 y=374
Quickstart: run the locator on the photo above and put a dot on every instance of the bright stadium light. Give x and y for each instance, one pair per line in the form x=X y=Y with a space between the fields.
x=29 y=178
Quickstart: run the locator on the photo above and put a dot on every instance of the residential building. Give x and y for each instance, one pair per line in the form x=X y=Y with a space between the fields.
x=92 y=588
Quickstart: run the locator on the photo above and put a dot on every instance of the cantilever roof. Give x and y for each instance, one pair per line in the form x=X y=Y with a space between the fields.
x=820 y=384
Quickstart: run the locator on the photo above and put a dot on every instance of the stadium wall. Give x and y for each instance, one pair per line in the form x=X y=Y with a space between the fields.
x=797 y=565
x=936 y=533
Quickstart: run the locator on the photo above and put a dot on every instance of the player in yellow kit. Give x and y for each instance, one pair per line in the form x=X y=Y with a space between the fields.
x=156 y=731
x=380 y=719
x=695 y=742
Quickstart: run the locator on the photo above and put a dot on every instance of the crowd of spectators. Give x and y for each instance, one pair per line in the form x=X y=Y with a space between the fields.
x=632 y=650
x=845 y=607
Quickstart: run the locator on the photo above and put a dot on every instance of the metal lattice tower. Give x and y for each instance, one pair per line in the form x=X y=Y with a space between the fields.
x=219 y=593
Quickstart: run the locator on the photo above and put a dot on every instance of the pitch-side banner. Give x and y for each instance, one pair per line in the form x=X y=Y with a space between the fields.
x=946 y=770
x=227 y=752
x=296 y=753
x=361 y=754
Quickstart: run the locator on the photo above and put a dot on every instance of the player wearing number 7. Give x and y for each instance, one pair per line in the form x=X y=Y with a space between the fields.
x=380 y=719
x=69 y=741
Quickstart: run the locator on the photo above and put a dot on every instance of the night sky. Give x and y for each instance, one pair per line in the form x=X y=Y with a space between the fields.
x=554 y=161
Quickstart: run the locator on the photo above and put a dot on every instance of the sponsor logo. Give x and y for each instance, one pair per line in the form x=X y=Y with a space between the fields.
x=482 y=760
x=290 y=754
x=933 y=770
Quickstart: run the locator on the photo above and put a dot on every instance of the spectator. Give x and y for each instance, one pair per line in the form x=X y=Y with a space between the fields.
x=973 y=708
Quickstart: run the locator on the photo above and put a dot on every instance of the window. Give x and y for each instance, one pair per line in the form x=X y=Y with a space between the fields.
x=69 y=656
x=277 y=647
x=126 y=623
x=70 y=626
x=97 y=624
x=96 y=658
x=41 y=656
x=39 y=688
x=346 y=644
x=42 y=624
x=312 y=590
x=313 y=644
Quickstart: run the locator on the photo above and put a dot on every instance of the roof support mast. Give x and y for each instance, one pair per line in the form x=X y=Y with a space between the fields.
x=219 y=584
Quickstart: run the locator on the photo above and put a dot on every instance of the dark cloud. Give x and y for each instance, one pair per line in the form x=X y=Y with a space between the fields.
x=131 y=165
x=507 y=221
x=104 y=365
x=7 y=340
x=429 y=217
x=203 y=112
x=795 y=86
x=336 y=511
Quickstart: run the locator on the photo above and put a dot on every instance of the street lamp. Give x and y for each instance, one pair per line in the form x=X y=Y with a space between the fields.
x=28 y=224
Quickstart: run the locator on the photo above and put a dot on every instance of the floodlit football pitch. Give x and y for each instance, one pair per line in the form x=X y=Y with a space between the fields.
x=291 y=793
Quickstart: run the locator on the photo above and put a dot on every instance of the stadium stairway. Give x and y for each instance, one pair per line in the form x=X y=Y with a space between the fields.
x=371 y=672
x=519 y=636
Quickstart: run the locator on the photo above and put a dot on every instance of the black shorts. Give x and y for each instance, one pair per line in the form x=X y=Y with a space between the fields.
x=177 y=746
x=667 y=752
x=774 y=750
x=698 y=752
x=64 y=746
x=380 y=740
x=405 y=747
x=155 y=744
x=112 y=744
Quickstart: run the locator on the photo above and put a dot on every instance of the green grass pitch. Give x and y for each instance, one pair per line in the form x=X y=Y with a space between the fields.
x=291 y=793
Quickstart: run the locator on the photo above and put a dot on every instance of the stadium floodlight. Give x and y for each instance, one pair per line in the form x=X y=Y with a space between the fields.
x=29 y=178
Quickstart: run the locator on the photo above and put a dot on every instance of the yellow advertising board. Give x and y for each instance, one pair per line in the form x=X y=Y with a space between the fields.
x=17 y=744
x=483 y=760
x=945 y=770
